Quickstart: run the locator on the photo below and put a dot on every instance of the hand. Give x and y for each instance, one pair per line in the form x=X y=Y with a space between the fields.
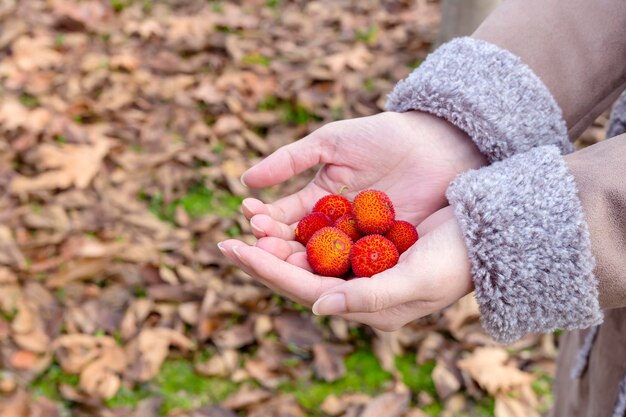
x=431 y=275
x=411 y=156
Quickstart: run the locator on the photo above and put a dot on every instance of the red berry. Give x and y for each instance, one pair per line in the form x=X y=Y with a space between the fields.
x=402 y=234
x=328 y=252
x=347 y=224
x=372 y=254
x=310 y=224
x=334 y=206
x=373 y=212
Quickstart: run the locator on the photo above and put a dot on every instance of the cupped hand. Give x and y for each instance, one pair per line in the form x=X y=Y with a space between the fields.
x=431 y=275
x=411 y=156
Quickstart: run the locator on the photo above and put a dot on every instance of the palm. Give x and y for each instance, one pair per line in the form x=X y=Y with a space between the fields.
x=412 y=157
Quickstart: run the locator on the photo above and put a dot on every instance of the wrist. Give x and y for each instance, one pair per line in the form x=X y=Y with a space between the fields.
x=462 y=153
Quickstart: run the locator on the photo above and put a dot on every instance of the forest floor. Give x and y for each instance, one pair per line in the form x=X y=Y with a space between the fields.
x=125 y=126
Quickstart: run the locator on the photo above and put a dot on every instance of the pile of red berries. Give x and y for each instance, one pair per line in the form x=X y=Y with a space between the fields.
x=362 y=235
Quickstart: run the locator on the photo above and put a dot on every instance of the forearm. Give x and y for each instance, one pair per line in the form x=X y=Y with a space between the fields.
x=576 y=47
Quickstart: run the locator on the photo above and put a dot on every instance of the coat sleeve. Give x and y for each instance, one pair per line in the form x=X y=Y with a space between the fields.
x=535 y=73
x=546 y=237
x=576 y=47
x=600 y=175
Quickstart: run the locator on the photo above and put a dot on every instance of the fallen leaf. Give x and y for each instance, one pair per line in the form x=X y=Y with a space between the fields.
x=69 y=165
x=446 y=382
x=328 y=362
x=389 y=405
x=488 y=367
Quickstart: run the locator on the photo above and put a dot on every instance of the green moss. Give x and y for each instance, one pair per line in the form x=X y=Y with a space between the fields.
x=364 y=374
x=198 y=201
x=130 y=397
x=417 y=377
x=179 y=386
x=298 y=114
x=415 y=64
x=543 y=388
x=47 y=384
x=433 y=409
x=257 y=59
x=29 y=101
x=272 y=4
x=292 y=113
x=485 y=407
x=368 y=36
x=182 y=388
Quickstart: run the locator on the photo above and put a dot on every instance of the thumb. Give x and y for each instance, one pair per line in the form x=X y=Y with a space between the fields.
x=289 y=160
x=435 y=270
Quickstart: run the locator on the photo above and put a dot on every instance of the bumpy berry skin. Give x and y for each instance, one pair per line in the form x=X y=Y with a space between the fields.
x=334 y=206
x=373 y=212
x=310 y=224
x=372 y=254
x=328 y=252
x=347 y=224
x=402 y=234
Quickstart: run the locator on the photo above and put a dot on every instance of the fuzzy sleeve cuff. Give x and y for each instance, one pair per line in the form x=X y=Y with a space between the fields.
x=488 y=93
x=528 y=244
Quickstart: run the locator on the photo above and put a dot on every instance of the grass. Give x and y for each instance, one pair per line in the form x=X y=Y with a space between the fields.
x=291 y=113
x=257 y=59
x=198 y=201
x=416 y=377
x=368 y=36
x=177 y=383
x=29 y=101
x=364 y=374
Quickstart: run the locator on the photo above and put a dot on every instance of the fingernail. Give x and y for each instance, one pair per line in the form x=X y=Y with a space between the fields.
x=238 y=255
x=243 y=181
x=330 y=304
x=257 y=228
x=220 y=247
x=246 y=206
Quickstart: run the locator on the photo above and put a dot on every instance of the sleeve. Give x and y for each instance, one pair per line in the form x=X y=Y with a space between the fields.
x=530 y=71
x=546 y=237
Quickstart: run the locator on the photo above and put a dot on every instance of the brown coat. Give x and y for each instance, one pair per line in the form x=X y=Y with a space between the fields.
x=578 y=48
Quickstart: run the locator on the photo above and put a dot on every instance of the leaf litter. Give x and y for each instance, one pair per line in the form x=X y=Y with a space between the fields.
x=126 y=125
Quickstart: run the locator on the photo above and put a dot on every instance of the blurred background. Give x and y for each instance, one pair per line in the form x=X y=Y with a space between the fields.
x=125 y=127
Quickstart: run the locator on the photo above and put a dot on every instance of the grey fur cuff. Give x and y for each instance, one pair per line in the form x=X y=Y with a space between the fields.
x=487 y=92
x=528 y=244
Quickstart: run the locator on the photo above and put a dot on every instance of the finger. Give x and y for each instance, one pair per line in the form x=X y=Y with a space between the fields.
x=394 y=318
x=263 y=225
x=435 y=220
x=292 y=208
x=385 y=290
x=293 y=281
x=280 y=248
x=288 y=161
x=288 y=209
x=435 y=269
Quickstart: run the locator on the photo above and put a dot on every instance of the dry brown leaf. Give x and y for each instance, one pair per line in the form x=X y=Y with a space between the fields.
x=446 y=382
x=10 y=253
x=464 y=310
x=297 y=329
x=69 y=165
x=76 y=270
x=29 y=329
x=511 y=407
x=328 y=361
x=390 y=404
x=149 y=349
x=488 y=367
x=245 y=397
